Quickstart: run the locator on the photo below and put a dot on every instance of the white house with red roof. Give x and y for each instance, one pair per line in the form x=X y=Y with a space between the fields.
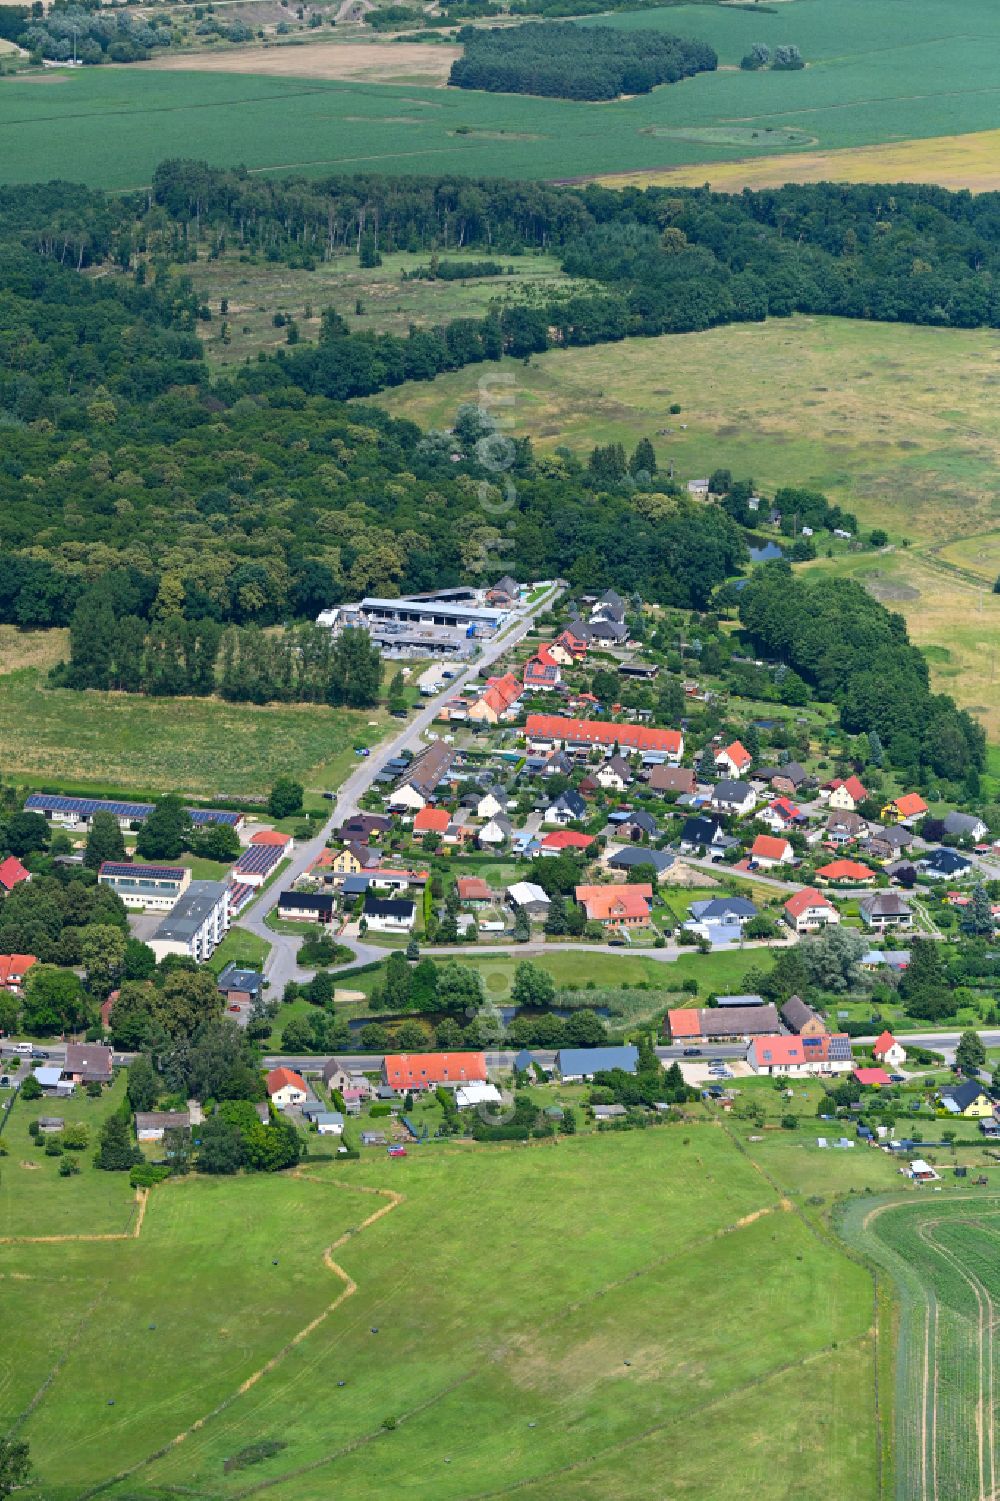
x=285 y=1087
x=846 y=794
x=888 y=1051
x=781 y=814
x=808 y=910
x=13 y=968
x=769 y=850
x=733 y=760
x=545 y=731
x=542 y=671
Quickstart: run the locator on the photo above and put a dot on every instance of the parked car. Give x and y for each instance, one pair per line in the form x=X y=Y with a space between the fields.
x=4 y=1081
x=362 y=750
x=396 y=1151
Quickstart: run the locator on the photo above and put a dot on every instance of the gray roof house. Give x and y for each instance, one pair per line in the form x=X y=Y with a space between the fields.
x=584 y=1063
x=635 y=854
x=965 y=826
x=724 y=909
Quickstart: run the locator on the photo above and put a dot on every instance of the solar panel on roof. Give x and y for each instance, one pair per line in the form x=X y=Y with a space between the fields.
x=145 y=872
x=86 y=807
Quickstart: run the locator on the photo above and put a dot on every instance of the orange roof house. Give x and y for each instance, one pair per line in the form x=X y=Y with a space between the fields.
x=409 y=1071
x=847 y=793
x=473 y=889
x=13 y=968
x=734 y=758
x=624 y=906
x=909 y=805
x=271 y=837
x=767 y=849
x=281 y=1080
x=888 y=1050
x=12 y=873
x=872 y=1078
x=567 y=839
x=431 y=821
x=496 y=699
x=551 y=729
x=809 y=909
x=849 y=871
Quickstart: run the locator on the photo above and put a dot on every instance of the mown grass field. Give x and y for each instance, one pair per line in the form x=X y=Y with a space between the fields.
x=202 y=747
x=876 y=74
x=255 y=293
x=594 y=1318
x=942 y=1256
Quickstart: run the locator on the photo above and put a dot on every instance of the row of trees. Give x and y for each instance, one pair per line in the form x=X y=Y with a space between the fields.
x=575 y=62
x=173 y=655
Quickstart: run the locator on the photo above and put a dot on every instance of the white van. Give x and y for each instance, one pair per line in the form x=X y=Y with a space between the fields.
x=24 y=1048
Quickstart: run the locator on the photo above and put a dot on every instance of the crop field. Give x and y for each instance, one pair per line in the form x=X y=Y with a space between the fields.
x=864 y=85
x=256 y=292
x=961 y=161
x=264 y=1335
x=944 y=1259
x=375 y=61
x=202 y=747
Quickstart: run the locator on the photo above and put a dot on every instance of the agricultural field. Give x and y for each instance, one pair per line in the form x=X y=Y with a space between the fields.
x=942 y=1257
x=517 y=1367
x=962 y=161
x=389 y=304
x=862 y=87
x=200 y=747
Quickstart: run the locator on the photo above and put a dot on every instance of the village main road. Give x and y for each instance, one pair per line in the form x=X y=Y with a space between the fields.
x=281 y=965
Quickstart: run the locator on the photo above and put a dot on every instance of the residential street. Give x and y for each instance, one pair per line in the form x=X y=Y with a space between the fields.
x=281 y=966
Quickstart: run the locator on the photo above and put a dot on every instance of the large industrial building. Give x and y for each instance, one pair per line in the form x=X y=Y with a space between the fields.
x=445 y=624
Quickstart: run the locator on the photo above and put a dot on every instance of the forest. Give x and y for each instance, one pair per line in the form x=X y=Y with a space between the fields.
x=564 y=61
x=168 y=519
x=856 y=653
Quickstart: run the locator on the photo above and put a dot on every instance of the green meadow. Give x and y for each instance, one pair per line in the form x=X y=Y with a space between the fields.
x=202 y=747
x=552 y=1320
x=863 y=85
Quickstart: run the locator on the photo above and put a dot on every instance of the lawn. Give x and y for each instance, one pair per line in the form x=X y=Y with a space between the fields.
x=874 y=75
x=34 y=1200
x=242 y=947
x=54 y=737
x=524 y=1368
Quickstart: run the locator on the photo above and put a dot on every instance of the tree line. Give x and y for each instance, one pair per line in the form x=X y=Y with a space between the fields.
x=173 y=655
x=564 y=61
